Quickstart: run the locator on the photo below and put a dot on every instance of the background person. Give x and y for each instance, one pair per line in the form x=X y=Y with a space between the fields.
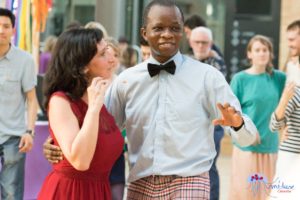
x=117 y=175
x=45 y=56
x=196 y=21
x=258 y=89
x=201 y=41
x=145 y=49
x=287 y=114
x=17 y=101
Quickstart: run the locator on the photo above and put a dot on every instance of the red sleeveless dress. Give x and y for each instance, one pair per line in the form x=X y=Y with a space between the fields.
x=65 y=182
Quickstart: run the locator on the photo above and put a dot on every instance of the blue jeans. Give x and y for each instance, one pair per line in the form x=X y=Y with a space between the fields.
x=12 y=172
x=213 y=172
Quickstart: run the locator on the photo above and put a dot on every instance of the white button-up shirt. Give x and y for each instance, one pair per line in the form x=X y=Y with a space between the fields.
x=168 y=118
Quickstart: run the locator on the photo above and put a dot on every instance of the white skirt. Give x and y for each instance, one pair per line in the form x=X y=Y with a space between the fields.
x=286 y=182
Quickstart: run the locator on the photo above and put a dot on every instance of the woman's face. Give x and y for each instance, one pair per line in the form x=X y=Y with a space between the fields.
x=115 y=62
x=100 y=65
x=259 y=54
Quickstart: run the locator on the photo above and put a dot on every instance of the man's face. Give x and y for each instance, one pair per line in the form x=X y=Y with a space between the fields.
x=6 y=30
x=163 y=31
x=293 y=37
x=201 y=45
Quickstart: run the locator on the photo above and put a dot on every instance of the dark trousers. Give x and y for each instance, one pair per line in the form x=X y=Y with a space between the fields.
x=213 y=172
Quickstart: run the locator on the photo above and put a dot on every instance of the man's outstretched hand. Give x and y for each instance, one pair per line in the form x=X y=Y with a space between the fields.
x=230 y=117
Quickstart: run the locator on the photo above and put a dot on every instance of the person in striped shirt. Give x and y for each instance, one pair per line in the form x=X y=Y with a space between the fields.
x=287 y=114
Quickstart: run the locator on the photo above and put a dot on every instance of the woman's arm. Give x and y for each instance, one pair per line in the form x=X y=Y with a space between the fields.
x=78 y=144
x=287 y=94
x=278 y=117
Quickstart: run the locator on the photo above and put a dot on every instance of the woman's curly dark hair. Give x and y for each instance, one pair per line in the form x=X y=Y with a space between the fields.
x=73 y=51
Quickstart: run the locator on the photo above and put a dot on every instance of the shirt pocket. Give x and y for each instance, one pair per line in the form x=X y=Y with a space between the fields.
x=12 y=86
x=187 y=109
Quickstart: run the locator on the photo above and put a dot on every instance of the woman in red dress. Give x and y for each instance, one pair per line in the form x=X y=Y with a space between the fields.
x=80 y=125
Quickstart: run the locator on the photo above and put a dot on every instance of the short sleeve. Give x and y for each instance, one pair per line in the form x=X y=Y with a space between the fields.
x=29 y=76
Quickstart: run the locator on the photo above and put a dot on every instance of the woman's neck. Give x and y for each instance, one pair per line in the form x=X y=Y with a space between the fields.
x=254 y=69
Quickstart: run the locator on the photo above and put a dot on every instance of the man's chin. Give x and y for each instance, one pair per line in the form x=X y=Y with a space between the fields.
x=200 y=57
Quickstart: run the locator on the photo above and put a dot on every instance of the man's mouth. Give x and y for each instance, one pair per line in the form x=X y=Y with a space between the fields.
x=166 y=44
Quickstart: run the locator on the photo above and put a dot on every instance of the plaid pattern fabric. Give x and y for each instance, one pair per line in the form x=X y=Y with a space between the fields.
x=170 y=188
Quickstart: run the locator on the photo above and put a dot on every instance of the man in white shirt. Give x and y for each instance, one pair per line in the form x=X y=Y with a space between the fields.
x=168 y=105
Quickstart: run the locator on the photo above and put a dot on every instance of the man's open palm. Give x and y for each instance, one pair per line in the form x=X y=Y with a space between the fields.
x=230 y=117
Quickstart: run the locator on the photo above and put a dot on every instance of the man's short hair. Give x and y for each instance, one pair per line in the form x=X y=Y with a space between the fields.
x=194 y=21
x=7 y=13
x=167 y=3
x=205 y=30
x=294 y=25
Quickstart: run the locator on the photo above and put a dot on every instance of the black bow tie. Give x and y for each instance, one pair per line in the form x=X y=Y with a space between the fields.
x=155 y=69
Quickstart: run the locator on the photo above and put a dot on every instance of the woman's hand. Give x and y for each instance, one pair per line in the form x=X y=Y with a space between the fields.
x=96 y=92
x=287 y=94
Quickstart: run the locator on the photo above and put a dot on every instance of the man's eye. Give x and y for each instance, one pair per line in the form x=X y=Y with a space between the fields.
x=176 y=29
x=157 y=28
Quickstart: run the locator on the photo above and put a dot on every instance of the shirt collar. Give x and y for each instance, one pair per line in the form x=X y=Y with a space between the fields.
x=178 y=59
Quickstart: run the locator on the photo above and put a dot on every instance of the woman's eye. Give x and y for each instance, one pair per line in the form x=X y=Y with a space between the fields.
x=102 y=53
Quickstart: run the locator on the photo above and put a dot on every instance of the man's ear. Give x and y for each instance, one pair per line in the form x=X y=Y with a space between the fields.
x=143 y=33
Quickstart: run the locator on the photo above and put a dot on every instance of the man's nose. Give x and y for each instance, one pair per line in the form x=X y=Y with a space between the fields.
x=167 y=33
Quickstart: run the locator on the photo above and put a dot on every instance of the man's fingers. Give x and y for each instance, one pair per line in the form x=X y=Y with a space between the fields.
x=53 y=157
x=53 y=161
x=22 y=149
x=223 y=108
x=56 y=153
x=231 y=110
x=49 y=140
x=50 y=147
x=220 y=106
x=25 y=148
x=21 y=143
x=218 y=122
x=54 y=148
x=226 y=105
